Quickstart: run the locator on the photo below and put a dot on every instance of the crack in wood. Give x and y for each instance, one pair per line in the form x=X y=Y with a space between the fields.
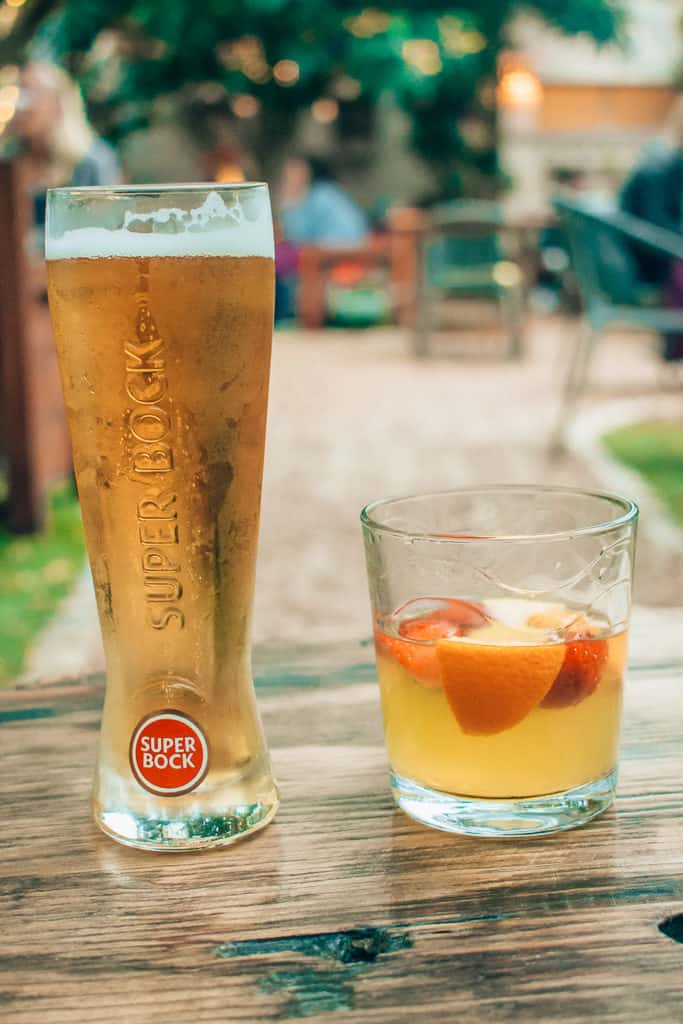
x=672 y=927
x=355 y=945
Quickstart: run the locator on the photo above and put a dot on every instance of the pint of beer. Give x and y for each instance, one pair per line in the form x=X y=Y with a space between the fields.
x=161 y=300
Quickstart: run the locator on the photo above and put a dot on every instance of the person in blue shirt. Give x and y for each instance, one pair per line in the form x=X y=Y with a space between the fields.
x=315 y=209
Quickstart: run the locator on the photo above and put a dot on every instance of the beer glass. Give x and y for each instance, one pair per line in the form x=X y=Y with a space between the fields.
x=161 y=300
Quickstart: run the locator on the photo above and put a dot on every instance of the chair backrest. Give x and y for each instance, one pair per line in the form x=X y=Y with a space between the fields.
x=603 y=241
x=467 y=211
x=602 y=257
x=464 y=236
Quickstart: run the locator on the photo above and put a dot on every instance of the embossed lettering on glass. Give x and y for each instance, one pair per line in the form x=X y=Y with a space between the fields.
x=161 y=300
x=500 y=623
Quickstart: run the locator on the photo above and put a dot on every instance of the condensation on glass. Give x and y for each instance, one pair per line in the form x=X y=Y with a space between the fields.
x=161 y=301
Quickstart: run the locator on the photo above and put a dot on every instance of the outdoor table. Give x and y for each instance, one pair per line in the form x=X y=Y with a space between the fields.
x=343 y=908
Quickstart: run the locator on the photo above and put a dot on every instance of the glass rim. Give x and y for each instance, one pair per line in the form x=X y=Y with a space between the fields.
x=630 y=513
x=153 y=189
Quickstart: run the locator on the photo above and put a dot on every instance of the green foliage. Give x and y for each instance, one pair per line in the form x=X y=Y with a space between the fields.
x=438 y=59
x=36 y=572
x=600 y=20
x=655 y=450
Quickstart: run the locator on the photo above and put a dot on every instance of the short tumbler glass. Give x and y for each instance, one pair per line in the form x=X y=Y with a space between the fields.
x=500 y=620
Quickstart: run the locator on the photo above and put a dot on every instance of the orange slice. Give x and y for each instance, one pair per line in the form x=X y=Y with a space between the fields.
x=492 y=687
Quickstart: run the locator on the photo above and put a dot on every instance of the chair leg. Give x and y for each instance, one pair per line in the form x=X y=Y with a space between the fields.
x=512 y=313
x=423 y=327
x=423 y=311
x=575 y=381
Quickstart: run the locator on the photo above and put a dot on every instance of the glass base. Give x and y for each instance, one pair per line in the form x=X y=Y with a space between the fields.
x=533 y=816
x=184 y=834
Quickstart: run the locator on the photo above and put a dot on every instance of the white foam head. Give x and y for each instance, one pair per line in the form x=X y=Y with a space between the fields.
x=215 y=228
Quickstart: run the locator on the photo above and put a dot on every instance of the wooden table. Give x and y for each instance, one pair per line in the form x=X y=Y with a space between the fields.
x=343 y=909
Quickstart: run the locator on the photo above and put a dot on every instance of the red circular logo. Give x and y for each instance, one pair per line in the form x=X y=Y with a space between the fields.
x=169 y=754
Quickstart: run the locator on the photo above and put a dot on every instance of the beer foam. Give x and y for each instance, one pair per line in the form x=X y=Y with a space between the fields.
x=213 y=229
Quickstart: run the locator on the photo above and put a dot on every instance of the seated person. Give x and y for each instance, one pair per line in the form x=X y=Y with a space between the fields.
x=654 y=192
x=316 y=210
x=51 y=132
x=313 y=210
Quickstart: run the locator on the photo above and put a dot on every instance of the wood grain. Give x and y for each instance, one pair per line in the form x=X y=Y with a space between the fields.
x=343 y=909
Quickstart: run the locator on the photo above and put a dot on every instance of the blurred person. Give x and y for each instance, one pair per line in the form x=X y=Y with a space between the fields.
x=654 y=193
x=314 y=209
x=51 y=132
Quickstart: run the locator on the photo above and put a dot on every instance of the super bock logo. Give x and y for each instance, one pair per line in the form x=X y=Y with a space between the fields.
x=169 y=754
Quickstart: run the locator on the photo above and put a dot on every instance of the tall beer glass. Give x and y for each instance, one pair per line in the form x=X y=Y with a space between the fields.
x=161 y=300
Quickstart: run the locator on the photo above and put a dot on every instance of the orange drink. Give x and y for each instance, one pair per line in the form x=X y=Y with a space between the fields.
x=520 y=704
x=502 y=696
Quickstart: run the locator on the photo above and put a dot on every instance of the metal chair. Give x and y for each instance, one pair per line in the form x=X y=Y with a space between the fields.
x=462 y=254
x=602 y=241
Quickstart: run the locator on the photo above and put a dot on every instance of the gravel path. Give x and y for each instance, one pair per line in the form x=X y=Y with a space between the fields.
x=353 y=418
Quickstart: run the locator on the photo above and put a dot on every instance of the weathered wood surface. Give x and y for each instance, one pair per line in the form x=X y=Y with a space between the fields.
x=343 y=909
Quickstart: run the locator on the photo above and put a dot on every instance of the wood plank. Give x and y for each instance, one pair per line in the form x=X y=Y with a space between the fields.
x=34 y=436
x=18 y=428
x=343 y=906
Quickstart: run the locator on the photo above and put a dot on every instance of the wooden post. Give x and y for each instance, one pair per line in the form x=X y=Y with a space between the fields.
x=25 y=501
x=33 y=432
x=407 y=226
x=311 y=304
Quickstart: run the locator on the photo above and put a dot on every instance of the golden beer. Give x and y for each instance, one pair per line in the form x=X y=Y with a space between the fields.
x=164 y=353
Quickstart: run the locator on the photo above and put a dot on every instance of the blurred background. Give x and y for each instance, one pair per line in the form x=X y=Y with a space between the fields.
x=479 y=224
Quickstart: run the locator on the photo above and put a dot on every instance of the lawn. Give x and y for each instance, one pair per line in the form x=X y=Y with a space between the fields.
x=655 y=450
x=36 y=572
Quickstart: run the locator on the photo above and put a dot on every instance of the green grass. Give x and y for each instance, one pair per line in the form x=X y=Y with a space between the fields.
x=36 y=572
x=655 y=450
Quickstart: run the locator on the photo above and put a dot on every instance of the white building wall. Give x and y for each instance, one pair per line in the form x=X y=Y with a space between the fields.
x=651 y=56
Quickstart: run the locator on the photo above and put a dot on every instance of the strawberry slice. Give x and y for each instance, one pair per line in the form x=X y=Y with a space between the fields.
x=442 y=613
x=583 y=664
x=419 y=660
x=445 y=617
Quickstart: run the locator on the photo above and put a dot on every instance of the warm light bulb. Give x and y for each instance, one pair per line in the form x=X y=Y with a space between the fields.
x=422 y=55
x=286 y=72
x=370 y=22
x=519 y=89
x=245 y=106
x=325 y=111
x=347 y=88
